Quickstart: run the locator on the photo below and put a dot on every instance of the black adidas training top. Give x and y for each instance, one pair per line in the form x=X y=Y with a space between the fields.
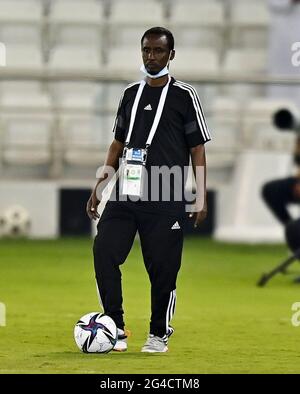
x=181 y=127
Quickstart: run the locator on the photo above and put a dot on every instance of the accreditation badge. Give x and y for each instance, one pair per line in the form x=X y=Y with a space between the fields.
x=132 y=184
x=133 y=172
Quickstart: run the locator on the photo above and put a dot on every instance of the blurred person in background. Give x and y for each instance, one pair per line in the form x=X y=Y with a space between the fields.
x=284 y=33
x=278 y=194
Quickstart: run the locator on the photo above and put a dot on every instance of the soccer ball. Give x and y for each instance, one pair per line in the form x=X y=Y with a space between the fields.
x=15 y=222
x=95 y=333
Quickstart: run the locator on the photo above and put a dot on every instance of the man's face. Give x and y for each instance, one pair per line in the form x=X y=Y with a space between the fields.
x=155 y=52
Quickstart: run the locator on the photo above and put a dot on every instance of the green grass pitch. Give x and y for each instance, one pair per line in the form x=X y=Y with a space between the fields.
x=223 y=322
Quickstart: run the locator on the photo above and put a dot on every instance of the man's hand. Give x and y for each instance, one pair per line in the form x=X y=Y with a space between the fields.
x=199 y=216
x=91 y=207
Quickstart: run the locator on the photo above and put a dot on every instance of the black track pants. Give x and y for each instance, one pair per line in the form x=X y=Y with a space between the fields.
x=278 y=195
x=161 y=241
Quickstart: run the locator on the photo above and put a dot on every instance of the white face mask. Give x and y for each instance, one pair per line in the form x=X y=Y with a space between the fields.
x=162 y=73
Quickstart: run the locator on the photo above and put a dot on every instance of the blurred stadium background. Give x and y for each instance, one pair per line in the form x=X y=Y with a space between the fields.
x=66 y=65
x=63 y=65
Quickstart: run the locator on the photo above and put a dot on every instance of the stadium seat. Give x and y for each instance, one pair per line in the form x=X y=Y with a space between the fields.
x=127 y=36
x=194 y=64
x=253 y=38
x=208 y=93
x=20 y=86
x=85 y=139
x=130 y=19
x=198 y=37
x=85 y=36
x=124 y=62
x=225 y=125
x=24 y=97
x=135 y=12
x=75 y=24
x=76 y=12
x=25 y=100
x=25 y=11
x=27 y=139
x=197 y=24
x=17 y=34
x=24 y=94
x=249 y=24
x=75 y=58
x=243 y=91
x=79 y=96
x=226 y=107
x=245 y=62
x=21 y=57
x=108 y=97
x=250 y=14
x=226 y=143
x=201 y=13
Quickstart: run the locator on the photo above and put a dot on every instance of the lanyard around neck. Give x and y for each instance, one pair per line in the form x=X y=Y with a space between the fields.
x=158 y=114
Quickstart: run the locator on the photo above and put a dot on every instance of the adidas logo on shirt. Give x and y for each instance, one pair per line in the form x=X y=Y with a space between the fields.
x=148 y=107
x=176 y=226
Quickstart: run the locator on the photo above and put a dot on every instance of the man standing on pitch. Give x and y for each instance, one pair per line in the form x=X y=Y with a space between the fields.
x=159 y=126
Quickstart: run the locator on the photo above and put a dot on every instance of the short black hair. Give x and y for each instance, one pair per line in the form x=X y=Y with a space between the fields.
x=160 y=31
